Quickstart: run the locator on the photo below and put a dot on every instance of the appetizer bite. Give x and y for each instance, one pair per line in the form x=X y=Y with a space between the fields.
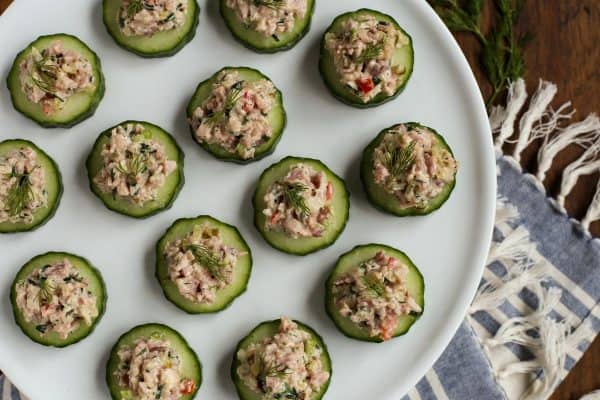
x=374 y=293
x=202 y=264
x=300 y=205
x=281 y=359
x=30 y=186
x=56 y=81
x=58 y=299
x=153 y=362
x=366 y=58
x=408 y=169
x=136 y=169
x=237 y=115
x=268 y=26
x=151 y=28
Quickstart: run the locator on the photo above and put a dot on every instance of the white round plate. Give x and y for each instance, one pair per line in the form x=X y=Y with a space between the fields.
x=449 y=246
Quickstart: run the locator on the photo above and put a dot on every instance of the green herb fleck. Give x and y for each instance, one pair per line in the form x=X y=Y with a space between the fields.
x=234 y=94
x=292 y=195
x=134 y=7
x=371 y=52
x=46 y=291
x=374 y=285
x=273 y=4
x=397 y=160
x=133 y=167
x=20 y=195
x=208 y=259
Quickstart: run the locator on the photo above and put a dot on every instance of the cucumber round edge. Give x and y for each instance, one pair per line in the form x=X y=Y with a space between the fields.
x=256 y=201
x=52 y=208
x=178 y=300
x=101 y=304
x=112 y=362
x=153 y=211
x=273 y=326
x=215 y=150
x=96 y=97
x=232 y=26
x=168 y=52
x=345 y=97
x=381 y=204
x=347 y=327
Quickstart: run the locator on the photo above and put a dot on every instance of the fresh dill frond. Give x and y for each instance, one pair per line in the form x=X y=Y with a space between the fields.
x=208 y=259
x=46 y=291
x=20 y=195
x=273 y=4
x=134 y=7
x=373 y=284
x=132 y=167
x=292 y=195
x=233 y=96
x=397 y=160
x=371 y=52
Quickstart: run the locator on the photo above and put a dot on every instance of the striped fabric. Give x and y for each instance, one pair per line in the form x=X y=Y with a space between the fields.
x=472 y=367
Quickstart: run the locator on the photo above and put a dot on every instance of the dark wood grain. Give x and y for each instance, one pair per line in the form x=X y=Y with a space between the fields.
x=566 y=51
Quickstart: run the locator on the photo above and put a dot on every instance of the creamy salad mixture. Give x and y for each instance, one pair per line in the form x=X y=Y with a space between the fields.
x=236 y=114
x=299 y=204
x=150 y=369
x=147 y=17
x=286 y=365
x=50 y=76
x=410 y=165
x=135 y=165
x=374 y=294
x=56 y=299
x=269 y=17
x=200 y=263
x=363 y=53
x=22 y=186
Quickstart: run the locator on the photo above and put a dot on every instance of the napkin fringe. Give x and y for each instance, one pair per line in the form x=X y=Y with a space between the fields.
x=541 y=122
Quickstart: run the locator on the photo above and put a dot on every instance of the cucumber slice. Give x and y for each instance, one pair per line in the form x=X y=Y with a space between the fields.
x=77 y=107
x=303 y=245
x=96 y=286
x=54 y=187
x=270 y=328
x=191 y=368
x=231 y=237
x=267 y=44
x=277 y=116
x=166 y=194
x=161 y=44
x=350 y=260
x=388 y=202
x=404 y=56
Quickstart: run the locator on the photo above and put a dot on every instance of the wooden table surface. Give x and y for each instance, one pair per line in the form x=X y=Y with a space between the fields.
x=565 y=51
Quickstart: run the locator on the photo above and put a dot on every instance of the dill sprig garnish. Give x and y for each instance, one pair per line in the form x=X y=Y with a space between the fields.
x=292 y=195
x=234 y=94
x=46 y=291
x=20 y=195
x=208 y=259
x=371 y=52
x=46 y=70
x=502 y=48
x=132 y=167
x=273 y=4
x=397 y=160
x=134 y=7
x=373 y=284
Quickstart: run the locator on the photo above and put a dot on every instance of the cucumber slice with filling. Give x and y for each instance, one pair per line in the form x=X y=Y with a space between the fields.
x=160 y=44
x=231 y=237
x=388 y=202
x=353 y=258
x=167 y=193
x=77 y=107
x=266 y=44
x=191 y=368
x=277 y=116
x=403 y=56
x=54 y=187
x=96 y=286
x=267 y=329
x=340 y=206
